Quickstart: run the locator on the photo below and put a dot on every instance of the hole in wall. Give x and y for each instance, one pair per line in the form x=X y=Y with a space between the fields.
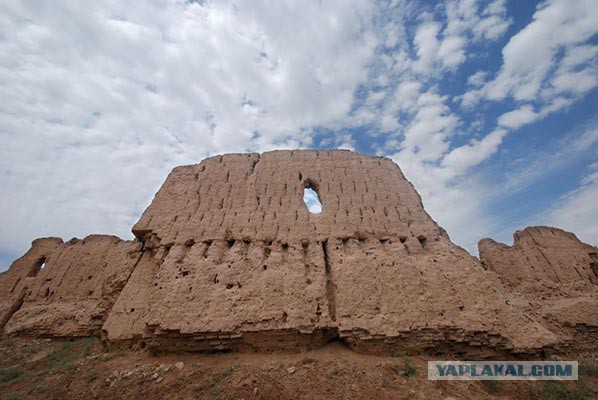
x=38 y=266
x=311 y=199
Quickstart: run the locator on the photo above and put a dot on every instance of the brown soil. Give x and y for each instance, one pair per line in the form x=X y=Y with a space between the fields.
x=57 y=369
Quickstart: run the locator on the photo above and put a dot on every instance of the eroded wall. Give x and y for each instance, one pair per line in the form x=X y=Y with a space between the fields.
x=552 y=276
x=228 y=257
x=235 y=257
x=15 y=283
x=73 y=292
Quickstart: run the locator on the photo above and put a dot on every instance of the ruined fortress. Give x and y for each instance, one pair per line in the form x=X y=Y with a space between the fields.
x=228 y=257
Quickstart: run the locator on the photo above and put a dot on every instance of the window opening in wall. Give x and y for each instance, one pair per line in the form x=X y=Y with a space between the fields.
x=312 y=200
x=38 y=266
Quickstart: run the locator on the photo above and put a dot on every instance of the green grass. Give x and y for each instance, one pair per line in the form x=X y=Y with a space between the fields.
x=68 y=354
x=224 y=375
x=398 y=353
x=32 y=350
x=409 y=368
x=588 y=370
x=563 y=391
x=198 y=390
x=9 y=375
x=38 y=387
x=493 y=387
x=61 y=359
x=220 y=378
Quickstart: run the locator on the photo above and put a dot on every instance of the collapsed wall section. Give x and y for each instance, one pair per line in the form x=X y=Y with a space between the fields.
x=543 y=259
x=435 y=298
x=15 y=282
x=551 y=275
x=77 y=286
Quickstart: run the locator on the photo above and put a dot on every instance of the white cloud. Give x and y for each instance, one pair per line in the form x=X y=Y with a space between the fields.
x=458 y=205
x=101 y=99
x=425 y=123
x=532 y=66
x=461 y=159
x=426 y=43
x=466 y=23
x=339 y=141
x=310 y=197
x=534 y=165
x=577 y=211
x=406 y=95
x=451 y=51
x=517 y=118
x=487 y=23
x=477 y=79
x=577 y=72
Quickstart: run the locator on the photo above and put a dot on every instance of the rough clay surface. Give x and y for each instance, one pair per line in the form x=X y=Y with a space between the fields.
x=227 y=257
x=234 y=259
x=553 y=277
x=73 y=292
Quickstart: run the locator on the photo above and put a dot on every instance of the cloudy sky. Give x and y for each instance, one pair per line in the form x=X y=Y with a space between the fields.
x=489 y=107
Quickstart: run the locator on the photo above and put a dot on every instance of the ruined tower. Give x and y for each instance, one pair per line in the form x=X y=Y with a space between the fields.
x=228 y=257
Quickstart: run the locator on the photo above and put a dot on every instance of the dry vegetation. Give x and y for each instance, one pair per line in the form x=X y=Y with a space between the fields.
x=51 y=369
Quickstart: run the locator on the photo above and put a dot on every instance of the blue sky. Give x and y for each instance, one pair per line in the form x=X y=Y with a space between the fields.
x=489 y=107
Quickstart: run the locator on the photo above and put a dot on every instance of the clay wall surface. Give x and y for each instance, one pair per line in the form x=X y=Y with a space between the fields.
x=228 y=257
x=260 y=197
x=235 y=252
x=551 y=275
x=14 y=283
x=542 y=257
x=78 y=284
